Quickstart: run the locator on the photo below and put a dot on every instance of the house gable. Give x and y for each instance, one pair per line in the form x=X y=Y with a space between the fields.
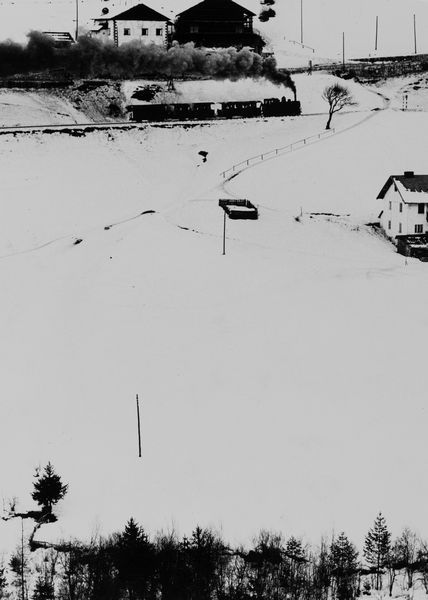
x=141 y=12
x=217 y=10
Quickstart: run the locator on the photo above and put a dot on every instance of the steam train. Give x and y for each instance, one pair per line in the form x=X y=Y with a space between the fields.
x=270 y=107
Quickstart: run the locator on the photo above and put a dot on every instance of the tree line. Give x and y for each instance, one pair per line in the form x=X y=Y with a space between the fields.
x=131 y=565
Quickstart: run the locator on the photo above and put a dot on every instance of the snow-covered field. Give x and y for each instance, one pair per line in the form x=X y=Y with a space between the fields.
x=281 y=385
x=35 y=108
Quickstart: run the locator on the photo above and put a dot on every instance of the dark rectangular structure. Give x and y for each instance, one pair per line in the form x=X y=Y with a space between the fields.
x=239 y=209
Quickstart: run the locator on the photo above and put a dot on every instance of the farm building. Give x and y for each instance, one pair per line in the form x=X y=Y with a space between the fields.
x=405 y=200
x=139 y=23
x=217 y=24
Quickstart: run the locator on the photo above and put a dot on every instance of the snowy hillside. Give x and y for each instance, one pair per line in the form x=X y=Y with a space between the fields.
x=46 y=108
x=35 y=108
x=270 y=378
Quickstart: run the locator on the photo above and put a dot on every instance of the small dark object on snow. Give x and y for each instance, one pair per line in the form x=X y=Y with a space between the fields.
x=78 y=241
x=204 y=155
x=148 y=212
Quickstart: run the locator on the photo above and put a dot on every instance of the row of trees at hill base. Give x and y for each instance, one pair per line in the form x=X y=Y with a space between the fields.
x=131 y=565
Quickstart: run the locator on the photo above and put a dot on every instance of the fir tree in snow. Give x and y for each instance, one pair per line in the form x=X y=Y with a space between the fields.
x=134 y=560
x=48 y=489
x=344 y=564
x=377 y=546
x=43 y=589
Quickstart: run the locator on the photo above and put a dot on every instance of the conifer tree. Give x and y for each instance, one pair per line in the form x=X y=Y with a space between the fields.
x=377 y=546
x=344 y=563
x=134 y=560
x=48 y=489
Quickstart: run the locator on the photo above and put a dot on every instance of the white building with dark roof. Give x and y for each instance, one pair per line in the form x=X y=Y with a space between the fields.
x=139 y=23
x=404 y=205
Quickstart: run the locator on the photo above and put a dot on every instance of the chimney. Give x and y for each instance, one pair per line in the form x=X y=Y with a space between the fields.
x=409 y=173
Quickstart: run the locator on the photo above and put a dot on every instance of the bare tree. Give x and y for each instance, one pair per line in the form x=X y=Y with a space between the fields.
x=337 y=97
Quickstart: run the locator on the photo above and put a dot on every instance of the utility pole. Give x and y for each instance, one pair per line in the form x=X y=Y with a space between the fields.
x=77 y=19
x=377 y=30
x=22 y=561
x=343 y=49
x=139 y=427
x=414 y=32
x=224 y=233
x=301 y=21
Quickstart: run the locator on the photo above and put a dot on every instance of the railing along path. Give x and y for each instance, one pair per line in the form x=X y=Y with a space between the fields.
x=254 y=160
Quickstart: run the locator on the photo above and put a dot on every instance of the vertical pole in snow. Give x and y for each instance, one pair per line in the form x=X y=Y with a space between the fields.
x=22 y=561
x=77 y=19
x=139 y=427
x=377 y=30
x=414 y=32
x=224 y=234
x=343 y=49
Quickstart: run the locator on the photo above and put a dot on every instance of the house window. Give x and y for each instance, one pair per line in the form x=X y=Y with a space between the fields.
x=421 y=209
x=144 y=31
x=126 y=31
x=419 y=228
x=389 y=224
x=390 y=205
x=159 y=31
x=194 y=28
x=401 y=207
x=400 y=228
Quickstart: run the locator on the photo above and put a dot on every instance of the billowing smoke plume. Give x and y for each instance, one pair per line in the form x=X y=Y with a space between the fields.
x=267 y=12
x=93 y=58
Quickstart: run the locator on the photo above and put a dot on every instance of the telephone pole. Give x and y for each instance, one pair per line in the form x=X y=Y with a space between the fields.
x=343 y=49
x=139 y=427
x=77 y=19
x=22 y=561
x=224 y=233
x=377 y=30
x=414 y=32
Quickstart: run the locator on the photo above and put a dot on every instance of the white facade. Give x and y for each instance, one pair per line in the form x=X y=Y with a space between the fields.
x=144 y=32
x=401 y=217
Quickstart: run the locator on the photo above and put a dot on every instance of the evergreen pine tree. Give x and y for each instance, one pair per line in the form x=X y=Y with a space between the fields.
x=48 y=489
x=377 y=546
x=43 y=590
x=344 y=563
x=134 y=557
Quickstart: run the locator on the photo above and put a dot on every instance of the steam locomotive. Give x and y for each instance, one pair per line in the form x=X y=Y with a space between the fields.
x=270 y=107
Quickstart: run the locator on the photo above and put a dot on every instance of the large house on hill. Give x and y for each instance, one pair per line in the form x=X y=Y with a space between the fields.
x=139 y=23
x=217 y=24
x=405 y=201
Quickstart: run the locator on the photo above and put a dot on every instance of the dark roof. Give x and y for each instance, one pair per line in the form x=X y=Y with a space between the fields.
x=141 y=12
x=215 y=10
x=412 y=183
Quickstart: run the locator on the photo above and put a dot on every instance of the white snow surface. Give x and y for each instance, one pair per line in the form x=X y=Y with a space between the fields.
x=276 y=384
x=36 y=108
